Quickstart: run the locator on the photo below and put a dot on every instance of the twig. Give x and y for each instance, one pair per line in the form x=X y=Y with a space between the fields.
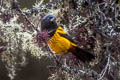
x=87 y=72
x=107 y=64
x=105 y=69
x=17 y=7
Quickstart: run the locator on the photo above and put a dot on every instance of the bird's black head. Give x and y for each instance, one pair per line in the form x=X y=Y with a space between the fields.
x=48 y=23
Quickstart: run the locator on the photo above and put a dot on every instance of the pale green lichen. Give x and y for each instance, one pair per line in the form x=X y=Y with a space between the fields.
x=18 y=44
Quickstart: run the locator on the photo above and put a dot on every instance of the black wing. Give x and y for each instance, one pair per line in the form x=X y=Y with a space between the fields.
x=66 y=36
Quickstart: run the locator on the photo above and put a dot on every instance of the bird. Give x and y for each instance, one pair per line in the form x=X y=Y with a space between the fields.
x=60 y=43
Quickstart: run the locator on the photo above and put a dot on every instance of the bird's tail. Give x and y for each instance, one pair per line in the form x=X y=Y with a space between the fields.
x=83 y=55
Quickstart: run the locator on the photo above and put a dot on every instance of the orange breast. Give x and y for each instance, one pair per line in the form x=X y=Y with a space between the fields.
x=58 y=44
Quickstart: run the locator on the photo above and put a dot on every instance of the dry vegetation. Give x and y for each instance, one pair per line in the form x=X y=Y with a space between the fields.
x=93 y=24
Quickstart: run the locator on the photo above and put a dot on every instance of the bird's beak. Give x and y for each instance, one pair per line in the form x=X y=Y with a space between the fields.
x=53 y=19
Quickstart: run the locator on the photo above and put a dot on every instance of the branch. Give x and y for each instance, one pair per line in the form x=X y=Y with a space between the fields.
x=17 y=7
x=101 y=75
x=87 y=72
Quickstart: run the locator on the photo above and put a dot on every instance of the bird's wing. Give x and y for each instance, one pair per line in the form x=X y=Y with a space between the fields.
x=67 y=37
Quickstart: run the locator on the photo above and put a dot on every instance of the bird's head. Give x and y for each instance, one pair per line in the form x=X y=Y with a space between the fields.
x=48 y=23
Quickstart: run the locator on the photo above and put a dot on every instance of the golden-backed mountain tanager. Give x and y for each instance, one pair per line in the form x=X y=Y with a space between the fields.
x=60 y=43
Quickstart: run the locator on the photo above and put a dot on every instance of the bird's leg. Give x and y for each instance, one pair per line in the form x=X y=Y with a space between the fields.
x=59 y=58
